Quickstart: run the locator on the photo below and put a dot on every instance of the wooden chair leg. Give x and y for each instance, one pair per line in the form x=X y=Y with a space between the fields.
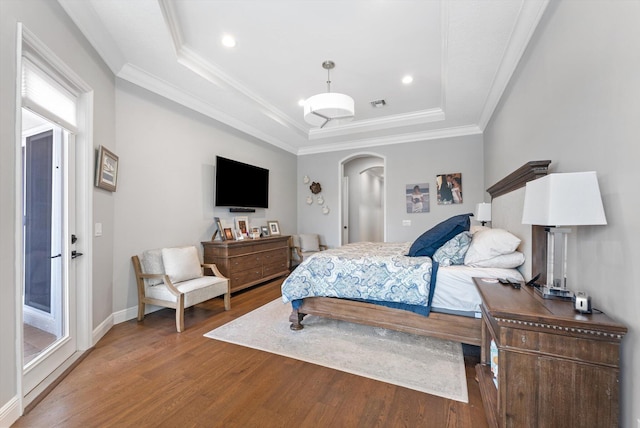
x=140 y=311
x=227 y=301
x=180 y=314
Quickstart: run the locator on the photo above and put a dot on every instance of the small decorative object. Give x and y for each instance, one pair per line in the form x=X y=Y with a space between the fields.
x=309 y=200
x=237 y=233
x=265 y=230
x=228 y=233
x=449 y=188
x=107 y=170
x=325 y=210
x=320 y=200
x=306 y=179
x=315 y=188
x=417 y=198
x=242 y=224
x=219 y=230
x=274 y=227
x=255 y=232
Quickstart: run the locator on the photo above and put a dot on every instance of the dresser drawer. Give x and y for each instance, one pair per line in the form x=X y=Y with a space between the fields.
x=274 y=268
x=242 y=277
x=244 y=262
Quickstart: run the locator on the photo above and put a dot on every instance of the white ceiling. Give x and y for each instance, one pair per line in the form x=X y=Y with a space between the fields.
x=461 y=54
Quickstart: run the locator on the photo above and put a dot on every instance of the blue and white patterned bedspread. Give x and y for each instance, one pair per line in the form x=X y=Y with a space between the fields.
x=365 y=270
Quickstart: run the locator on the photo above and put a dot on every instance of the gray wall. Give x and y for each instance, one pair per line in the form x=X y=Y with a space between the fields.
x=575 y=100
x=408 y=163
x=165 y=189
x=53 y=27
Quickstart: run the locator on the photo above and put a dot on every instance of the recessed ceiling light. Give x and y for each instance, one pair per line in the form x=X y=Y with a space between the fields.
x=301 y=102
x=228 y=41
x=407 y=79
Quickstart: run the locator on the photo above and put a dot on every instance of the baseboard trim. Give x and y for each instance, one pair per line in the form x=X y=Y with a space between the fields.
x=102 y=329
x=10 y=412
x=131 y=313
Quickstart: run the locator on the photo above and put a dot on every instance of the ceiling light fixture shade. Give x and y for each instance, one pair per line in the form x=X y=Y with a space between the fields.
x=331 y=106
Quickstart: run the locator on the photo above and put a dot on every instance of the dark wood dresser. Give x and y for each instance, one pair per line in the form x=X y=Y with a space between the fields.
x=249 y=261
x=556 y=367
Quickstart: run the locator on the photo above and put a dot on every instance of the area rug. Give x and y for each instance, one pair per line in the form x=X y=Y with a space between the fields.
x=425 y=364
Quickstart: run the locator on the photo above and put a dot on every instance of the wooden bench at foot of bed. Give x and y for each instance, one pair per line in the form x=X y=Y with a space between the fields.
x=443 y=326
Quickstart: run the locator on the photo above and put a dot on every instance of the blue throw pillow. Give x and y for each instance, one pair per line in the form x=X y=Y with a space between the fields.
x=429 y=242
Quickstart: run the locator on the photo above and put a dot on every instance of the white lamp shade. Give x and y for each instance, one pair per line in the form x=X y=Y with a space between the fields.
x=567 y=199
x=330 y=105
x=483 y=212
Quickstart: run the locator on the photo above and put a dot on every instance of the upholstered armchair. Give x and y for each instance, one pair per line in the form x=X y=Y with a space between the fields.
x=304 y=245
x=174 y=278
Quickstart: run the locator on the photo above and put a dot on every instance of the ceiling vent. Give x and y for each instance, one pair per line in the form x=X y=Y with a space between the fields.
x=378 y=103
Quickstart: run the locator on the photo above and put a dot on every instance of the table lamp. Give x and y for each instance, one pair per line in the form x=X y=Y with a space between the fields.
x=483 y=212
x=554 y=201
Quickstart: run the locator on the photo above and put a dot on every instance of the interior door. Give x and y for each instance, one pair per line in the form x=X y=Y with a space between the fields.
x=49 y=275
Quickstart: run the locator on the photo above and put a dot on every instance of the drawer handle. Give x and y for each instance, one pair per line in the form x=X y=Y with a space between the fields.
x=524 y=339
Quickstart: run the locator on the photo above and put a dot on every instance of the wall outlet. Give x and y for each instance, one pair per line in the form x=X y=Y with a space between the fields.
x=97 y=231
x=406 y=222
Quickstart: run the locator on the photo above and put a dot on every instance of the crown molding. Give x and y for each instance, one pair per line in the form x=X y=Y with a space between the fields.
x=386 y=122
x=530 y=14
x=145 y=80
x=393 y=139
x=84 y=17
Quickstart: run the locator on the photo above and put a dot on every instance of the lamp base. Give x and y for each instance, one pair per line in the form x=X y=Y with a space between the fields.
x=548 y=292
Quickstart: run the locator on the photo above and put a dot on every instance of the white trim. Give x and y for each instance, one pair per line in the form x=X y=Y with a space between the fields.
x=102 y=329
x=28 y=42
x=531 y=12
x=393 y=139
x=10 y=412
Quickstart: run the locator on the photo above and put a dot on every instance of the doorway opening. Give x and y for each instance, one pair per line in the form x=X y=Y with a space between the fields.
x=363 y=200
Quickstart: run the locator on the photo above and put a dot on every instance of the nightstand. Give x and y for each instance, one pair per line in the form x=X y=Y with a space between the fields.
x=556 y=367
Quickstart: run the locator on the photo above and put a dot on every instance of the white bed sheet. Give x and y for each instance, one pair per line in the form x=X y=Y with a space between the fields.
x=455 y=290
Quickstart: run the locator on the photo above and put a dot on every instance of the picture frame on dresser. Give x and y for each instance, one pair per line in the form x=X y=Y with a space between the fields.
x=274 y=227
x=242 y=224
x=228 y=234
x=265 y=231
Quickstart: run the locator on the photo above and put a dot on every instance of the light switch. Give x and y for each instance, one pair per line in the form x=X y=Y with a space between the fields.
x=406 y=222
x=98 y=229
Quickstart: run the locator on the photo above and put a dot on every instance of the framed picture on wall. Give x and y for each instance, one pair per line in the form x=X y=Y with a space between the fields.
x=417 y=198
x=106 y=170
x=449 y=188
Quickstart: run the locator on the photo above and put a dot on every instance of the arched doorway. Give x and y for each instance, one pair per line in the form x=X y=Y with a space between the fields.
x=363 y=201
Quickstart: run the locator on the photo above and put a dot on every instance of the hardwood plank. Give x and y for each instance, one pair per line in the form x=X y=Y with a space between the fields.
x=145 y=374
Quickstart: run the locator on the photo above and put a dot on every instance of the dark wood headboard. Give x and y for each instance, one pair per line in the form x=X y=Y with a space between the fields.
x=507 y=198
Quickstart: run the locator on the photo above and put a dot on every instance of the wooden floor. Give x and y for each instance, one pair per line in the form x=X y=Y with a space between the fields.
x=147 y=375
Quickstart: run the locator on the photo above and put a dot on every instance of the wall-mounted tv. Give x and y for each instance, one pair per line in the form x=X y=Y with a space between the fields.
x=241 y=185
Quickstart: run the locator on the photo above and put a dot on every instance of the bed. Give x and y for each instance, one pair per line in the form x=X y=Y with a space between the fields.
x=377 y=284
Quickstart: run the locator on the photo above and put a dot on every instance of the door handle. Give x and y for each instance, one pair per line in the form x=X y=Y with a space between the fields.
x=75 y=254
x=56 y=256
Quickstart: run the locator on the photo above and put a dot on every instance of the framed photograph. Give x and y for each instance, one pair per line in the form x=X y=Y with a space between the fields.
x=274 y=227
x=242 y=224
x=237 y=234
x=228 y=233
x=417 y=197
x=265 y=230
x=106 y=170
x=255 y=232
x=449 y=188
x=220 y=229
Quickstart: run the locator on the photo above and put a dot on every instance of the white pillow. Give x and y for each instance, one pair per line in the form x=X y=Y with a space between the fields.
x=152 y=263
x=309 y=243
x=181 y=264
x=505 y=261
x=490 y=243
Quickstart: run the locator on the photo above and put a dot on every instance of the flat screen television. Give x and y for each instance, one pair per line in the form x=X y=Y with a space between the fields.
x=241 y=185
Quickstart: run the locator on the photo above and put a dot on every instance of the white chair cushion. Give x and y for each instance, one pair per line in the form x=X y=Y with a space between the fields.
x=181 y=264
x=309 y=243
x=152 y=263
x=196 y=290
